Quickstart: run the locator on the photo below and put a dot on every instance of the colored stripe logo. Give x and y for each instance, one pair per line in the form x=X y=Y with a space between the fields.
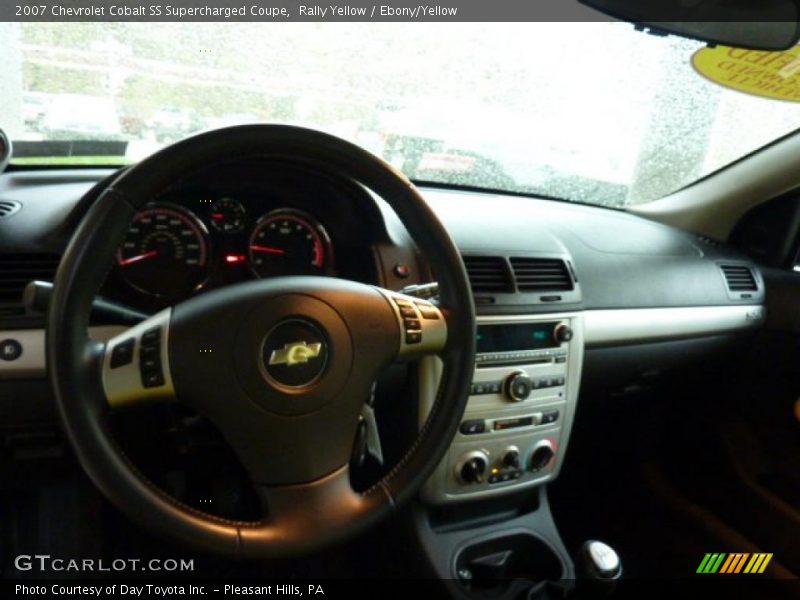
x=735 y=562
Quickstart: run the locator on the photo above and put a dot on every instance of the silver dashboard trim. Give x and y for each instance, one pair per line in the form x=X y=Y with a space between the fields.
x=636 y=325
x=32 y=363
x=601 y=327
x=434 y=492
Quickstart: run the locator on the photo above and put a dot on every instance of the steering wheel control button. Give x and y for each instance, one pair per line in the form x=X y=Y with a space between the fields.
x=10 y=350
x=428 y=312
x=149 y=365
x=135 y=365
x=518 y=386
x=152 y=378
x=150 y=358
x=408 y=312
x=413 y=337
x=122 y=354
x=295 y=353
x=419 y=336
x=150 y=351
x=411 y=324
x=473 y=427
x=151 y=336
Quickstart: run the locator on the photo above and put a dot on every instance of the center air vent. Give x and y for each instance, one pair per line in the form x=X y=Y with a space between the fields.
x=8 y=208
x=16 y=270
x=541 y=274
x=489 y=274
x=739 y=278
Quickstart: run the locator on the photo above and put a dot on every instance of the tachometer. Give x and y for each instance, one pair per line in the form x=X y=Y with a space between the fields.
x=289 y=242
x=165 y=253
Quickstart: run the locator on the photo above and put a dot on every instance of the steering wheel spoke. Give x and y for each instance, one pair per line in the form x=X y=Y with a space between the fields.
x=307 y=515
x=136 y=363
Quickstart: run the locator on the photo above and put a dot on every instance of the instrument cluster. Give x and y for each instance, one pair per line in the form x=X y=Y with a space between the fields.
x=173 y=250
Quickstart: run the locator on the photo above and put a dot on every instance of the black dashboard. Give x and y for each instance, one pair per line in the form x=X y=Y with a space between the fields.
x=633 y=280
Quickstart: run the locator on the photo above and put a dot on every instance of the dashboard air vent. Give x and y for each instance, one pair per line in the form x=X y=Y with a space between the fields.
x=8 y=208
x=16 y=270
x=541 y=275
x=489 y=274
x=739 y=278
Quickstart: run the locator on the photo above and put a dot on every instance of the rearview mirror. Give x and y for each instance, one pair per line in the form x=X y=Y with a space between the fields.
x=759 y=24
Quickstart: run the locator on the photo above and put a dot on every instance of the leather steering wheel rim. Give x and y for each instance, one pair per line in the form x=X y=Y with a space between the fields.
x=311 y=513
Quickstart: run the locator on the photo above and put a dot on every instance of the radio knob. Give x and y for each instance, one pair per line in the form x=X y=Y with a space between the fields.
x=541 y=456
x=562 y=333
x=472 y=467
x=518 y=386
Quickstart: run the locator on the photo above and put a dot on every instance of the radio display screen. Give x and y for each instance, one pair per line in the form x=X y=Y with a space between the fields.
x=519 y=336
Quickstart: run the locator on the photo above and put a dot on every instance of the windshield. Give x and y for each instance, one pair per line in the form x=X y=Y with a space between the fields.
x=588 y=112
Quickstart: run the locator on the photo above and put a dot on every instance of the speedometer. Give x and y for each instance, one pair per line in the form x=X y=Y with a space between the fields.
x=289 y=242
x=165 y=252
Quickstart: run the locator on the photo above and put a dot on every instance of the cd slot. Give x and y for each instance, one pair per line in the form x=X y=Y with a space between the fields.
x=513 y=361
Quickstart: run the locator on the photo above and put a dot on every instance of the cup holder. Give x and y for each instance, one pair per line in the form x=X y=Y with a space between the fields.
x=519 y=561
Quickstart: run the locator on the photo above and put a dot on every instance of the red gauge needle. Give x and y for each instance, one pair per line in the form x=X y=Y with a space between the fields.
x=126 y=261
x=269 y=249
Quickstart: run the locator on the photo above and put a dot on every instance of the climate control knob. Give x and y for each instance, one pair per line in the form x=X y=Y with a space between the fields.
x=541 y=456
x=518 y=386
x=511 y=458
x=472 y=467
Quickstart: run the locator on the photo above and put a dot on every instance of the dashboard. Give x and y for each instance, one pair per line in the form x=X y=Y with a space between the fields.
x=641 y=297
x=632 y=280
x=574 y=304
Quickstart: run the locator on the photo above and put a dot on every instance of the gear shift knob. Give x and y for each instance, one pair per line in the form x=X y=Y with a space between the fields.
x=600 y=560
x=599 y=568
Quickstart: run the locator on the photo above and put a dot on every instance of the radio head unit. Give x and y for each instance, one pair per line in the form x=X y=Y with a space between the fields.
x=515 y=342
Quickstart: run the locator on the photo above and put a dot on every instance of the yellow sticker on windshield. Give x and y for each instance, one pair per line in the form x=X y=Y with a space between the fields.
x=757 y=72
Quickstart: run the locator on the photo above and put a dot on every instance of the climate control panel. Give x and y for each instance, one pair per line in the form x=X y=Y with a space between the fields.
x=522 y=402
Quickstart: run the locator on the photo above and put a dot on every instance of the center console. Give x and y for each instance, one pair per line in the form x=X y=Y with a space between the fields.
x=484 y=521
x=522 y=403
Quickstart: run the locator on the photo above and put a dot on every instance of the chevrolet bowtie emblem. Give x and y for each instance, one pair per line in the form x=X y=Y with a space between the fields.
x=296 y=353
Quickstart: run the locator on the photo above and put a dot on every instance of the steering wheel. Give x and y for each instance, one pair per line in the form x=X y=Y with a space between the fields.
x=281 y=366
